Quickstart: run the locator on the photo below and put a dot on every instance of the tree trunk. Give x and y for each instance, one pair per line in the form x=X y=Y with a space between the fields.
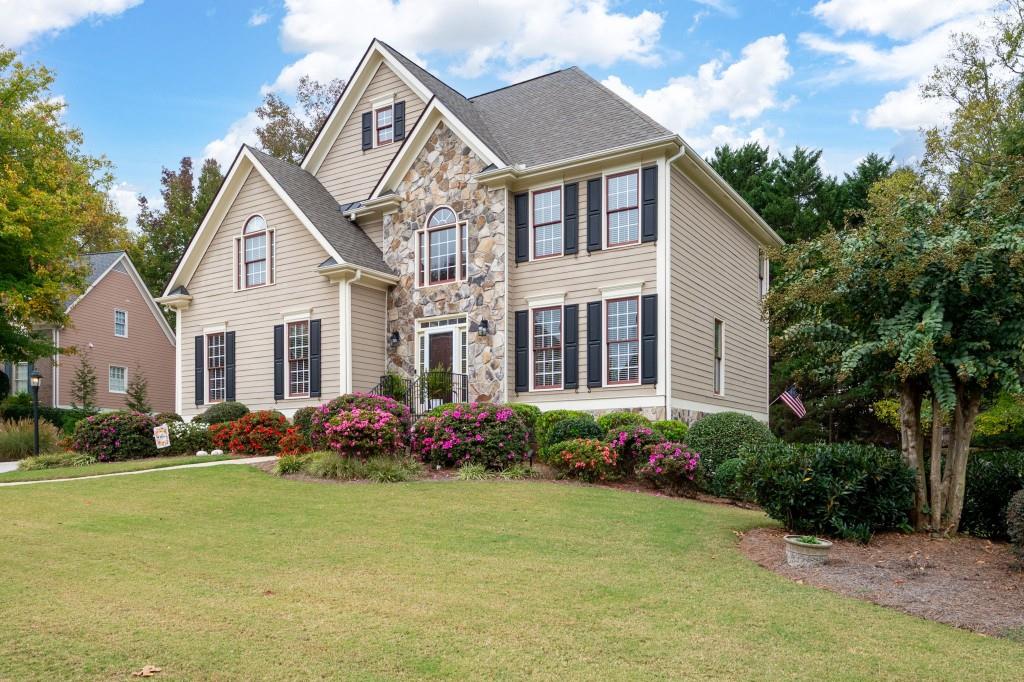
x=964 y=417
x=912 y=443
x=935 y=480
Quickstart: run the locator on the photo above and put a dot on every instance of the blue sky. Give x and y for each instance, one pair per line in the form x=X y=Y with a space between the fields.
x=149 y=82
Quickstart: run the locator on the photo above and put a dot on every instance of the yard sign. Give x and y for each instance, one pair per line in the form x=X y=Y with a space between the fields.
x=163 y=438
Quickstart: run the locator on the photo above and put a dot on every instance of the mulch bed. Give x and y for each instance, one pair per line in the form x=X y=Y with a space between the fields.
x=965 y=582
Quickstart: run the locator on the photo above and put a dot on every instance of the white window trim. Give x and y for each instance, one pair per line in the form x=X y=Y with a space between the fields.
x=457 y=328
x=207 y=332
x=546 y=301
x=618 y=170
x=374 y=108
x=422 y=234
x=125 y=335
x=109 y=388
x=288 y=395
x=561 y=386
x=296 y=315
x=611 y=295
x=622 y=290
x=547 y=187
x=238 y=257
x=720 y=374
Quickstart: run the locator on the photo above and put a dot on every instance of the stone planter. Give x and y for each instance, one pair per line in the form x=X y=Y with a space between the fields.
x=806 y=554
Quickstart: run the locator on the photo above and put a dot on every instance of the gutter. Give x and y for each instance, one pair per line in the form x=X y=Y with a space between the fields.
x=354 y=273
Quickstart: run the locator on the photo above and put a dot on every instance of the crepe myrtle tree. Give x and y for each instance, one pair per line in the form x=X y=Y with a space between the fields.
x=920 y=301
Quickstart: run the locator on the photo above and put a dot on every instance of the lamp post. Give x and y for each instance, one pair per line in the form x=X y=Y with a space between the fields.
x=35 y=380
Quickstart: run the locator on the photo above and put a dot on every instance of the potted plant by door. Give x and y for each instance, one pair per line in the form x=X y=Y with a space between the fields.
x=805 y=551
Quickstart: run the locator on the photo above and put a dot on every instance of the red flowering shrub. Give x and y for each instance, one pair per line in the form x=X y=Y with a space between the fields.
x=220 y=434
x=472 y=433
x=115 y=436
x=292 y=443
x=671 y=467
x=361 y=432
x=587 y=459
x=630 y=444
x=257 y=433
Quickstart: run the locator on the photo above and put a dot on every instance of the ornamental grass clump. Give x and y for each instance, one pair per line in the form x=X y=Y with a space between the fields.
x=114 y=436
x=587 y=459
x=631 y=443
x=359 y=432
x=472 y=433
x=671 y=467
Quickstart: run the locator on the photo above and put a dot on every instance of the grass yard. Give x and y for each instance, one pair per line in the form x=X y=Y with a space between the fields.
x=106 y=468
x=228 y=573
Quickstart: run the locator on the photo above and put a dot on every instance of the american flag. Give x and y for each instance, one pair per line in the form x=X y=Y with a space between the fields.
x=793 y=402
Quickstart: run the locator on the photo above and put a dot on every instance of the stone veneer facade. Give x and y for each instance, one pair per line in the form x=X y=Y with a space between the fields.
x=442 y=175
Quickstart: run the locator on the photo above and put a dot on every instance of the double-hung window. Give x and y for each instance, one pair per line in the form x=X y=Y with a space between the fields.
x=719 y=358
x=120 y=323
x=256 y=254
x=216 y=374
x=623 y=213
x=117 y=379
x=547 y=347
x=384 y=119
x=547 y=223
x=21 y=383
x=442 y=249
x=298 y=359
x=623 y=334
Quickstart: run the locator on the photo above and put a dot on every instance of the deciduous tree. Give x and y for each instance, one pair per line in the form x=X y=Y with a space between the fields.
x=286 y=131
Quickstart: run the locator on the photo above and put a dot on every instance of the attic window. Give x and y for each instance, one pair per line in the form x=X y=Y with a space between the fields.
x=385 y=120
x=255 y=254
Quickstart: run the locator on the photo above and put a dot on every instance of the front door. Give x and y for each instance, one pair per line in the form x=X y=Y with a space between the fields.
x=440 y=347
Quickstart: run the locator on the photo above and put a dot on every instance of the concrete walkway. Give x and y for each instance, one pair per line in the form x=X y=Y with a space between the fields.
x=8 y=466
x=246 y=460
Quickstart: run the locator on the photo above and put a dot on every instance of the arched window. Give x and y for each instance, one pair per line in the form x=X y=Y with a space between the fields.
x=255 y=254
x=442 y=248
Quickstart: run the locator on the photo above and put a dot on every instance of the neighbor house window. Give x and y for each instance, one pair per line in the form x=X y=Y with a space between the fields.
x=623 y=341
x=117 y=379
x=547 y=348
x=385 y=119
x=215 y=372
x=298 y=359
x=623 y=208
x=547 y=223
x=120 y=323
x=21 y=373
x=256 y=254
x=719 y=357
x=442 y=249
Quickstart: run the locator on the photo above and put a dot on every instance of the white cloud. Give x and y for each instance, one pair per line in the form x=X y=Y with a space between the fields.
x=125 y=198
x=258 y=18
x=723 y=6
x=21 y=22
x=906 y=110
x=897 y=19
x=224 y=149
x=508 y=37
x=742 y=90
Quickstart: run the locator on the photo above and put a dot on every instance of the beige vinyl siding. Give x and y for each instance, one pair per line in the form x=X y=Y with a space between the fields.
x=369 y=331
x=348 y=172
x=374 y=227
x=252 y=313
x=714 y=275
x=580 y=277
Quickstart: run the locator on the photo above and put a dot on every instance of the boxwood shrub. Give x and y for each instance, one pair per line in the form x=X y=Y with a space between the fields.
x=613 y=422
x=992 y=479
x=167 y=417
x=227 y=411
x=472 y=433
x=730 y=480
x=717 y=437
x=113 y=436
x=302 y=420
x=579 y=426
x=845 y=490
x=547 y=421
x=529 y=414
x=672 y=429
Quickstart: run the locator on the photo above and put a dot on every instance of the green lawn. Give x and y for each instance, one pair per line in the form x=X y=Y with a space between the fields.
x=228 y=573
x=106 y=468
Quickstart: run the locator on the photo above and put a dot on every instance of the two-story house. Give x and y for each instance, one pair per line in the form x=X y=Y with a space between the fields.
x=118 y=328
x=546 y=241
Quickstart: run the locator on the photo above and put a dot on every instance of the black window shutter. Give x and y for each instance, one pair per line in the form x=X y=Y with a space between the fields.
x=594 y=343
x=594 y=202
x=522 y=227
x=200 y=380
x=399 y=125
x=571 y=219
x=367 y=130
x=522 y=333
x=649 y=339
x=314 y=358
x=278 y=362
x=571 y=346
x=649 y=207
x=229 y=366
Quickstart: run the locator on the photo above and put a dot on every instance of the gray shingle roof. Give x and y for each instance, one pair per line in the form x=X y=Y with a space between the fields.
x=558 y=116
x=347 y=238
x=99 y=263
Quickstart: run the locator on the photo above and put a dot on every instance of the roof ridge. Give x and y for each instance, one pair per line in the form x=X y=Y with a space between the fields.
x=422 y=68
x=640 y=114
x=528 y=80
x=103 y=253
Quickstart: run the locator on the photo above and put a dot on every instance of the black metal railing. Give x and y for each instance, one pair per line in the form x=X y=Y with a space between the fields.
x=425 y=391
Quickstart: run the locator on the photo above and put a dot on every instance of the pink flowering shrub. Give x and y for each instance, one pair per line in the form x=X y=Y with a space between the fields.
x=670 y=467
x=115 y=436
x=587 y=459
x=360 y=432
x=367 y=401
x=472 y=433
x=631 y=444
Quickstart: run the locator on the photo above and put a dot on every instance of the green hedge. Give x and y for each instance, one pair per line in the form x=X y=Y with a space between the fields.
x=547 y=421
x=992 y=479
x=718 y=437
x=20 y=407
x=219 y=413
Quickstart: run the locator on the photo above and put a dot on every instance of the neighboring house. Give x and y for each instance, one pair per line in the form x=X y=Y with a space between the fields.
x=545 y=242
x=118 y=326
